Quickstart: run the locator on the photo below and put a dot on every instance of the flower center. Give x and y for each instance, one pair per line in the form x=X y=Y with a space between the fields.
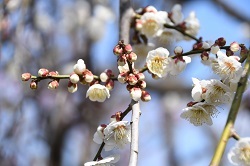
x=245 y=154
x=151 y=26
x=158 y=64
x=229 y=66
x=120 y=132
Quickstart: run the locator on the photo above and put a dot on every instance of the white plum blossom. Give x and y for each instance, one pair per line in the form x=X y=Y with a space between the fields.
x=240 y=153
x=107 y=161
x=218 y=93
x=178 y=65
x=135 y=93
x=79 y=67
x=192 y=24
x=98 y=92
x=158 y=62
x=200 y=113
x=151 y=23
x=214 y=49
x=99 y=136
x=199 y=89
x=228 y=68
x=117 y=135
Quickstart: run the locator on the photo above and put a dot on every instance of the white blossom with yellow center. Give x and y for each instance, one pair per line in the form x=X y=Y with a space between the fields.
x=117 y=134
x=240 y=153
x=228 y=68
x=200 y=113
x=158 y=62
x=98 y=92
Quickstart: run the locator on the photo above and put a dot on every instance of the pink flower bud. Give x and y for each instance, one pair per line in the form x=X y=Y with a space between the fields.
x=43 y=72
x=104 y=77
x=197 y=46
x=135 y=93
x=26 y=76
x=234 y=47
x=109 y=72
x=53 y=73
x=33 y=85
x=142 y=84
x=72 y=88
x=220 y=41
x=110 y=84
x=88 y=76
x=214 y=49
x=178 y=50
x=140 y=76
x=118 y=50
x=204 y=56
x=121 y=60
x=145 y=96
x=132 y=57
x=128 y=49
x=122 y=77
x=53 y=84
x=131 y=79
x=74 y=78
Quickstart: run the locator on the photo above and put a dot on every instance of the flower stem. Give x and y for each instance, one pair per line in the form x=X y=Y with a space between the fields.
x=232 y=115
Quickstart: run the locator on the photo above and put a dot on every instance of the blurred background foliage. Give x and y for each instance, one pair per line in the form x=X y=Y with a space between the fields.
x=42 y=127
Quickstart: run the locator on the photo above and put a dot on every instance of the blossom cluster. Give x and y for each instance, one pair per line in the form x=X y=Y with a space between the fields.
x=207 y=94
x=128 y=74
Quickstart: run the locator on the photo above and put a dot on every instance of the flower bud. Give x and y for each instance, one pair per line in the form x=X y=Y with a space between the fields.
x=121 y=60
x=53 y=84
x=118 y=50
x=122 y=77
x=229 y=52
x=132 y=57
x=204 y=56
x=214 y=49
x=88 y=76
x=145 y=96
x=142 y=84
x=74 y=78
x=26 y=76
x=178 y=50
x=53 y=73
x=104 y=77
x=220 y=41
x=135 y=93
x=43 y=72
x=110 y=84
x=79 y=67
x=72 y=88
x=150 y=9
x=234 y=47
x=128 y=49
x=197 y=46
x=33 y=85
x=131 y=79
x=140 y=76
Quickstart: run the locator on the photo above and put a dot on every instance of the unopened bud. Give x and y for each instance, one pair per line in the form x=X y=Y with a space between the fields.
x=26 y=76
x=220 y=41
x=72 y=88
x=214 y=49
x=79 y=67
x=128 y=49
x=88 y=76
x=53 y=73
x=131 y=79
x=178 y=50
x=142 y=84
x=118 y=50
x=43 y=72
x=122 y=77
x=121 y=60
x=234 y=47
x=140 y=76
x=74 y=78
x=132 y=57
x=33 y=85
x=204 y=56
x=197 y=46
x=104 y=77
x=110 y=84
x=145 y=96
x=53 y=84
x=205 y=45
x=135 y=94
